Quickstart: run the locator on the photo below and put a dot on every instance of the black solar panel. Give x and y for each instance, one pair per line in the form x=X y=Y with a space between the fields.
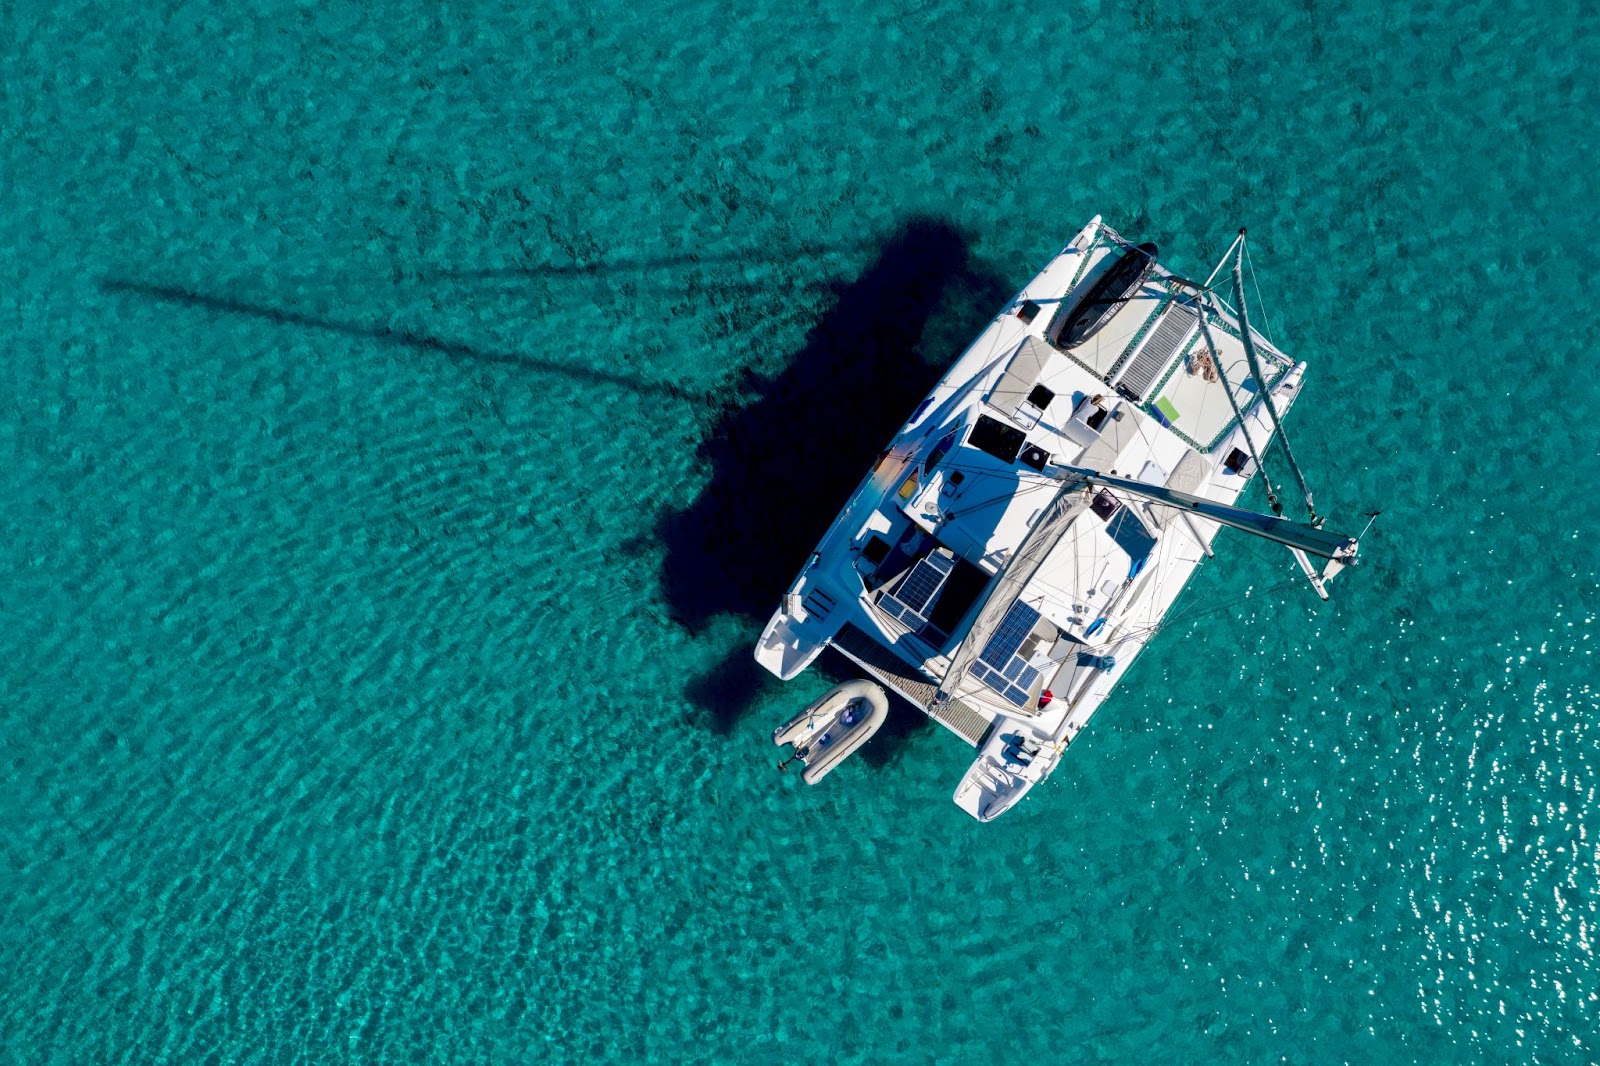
x=1008 y=637
x=1016 y=693
x=909 y=602
x=920 y=585
x=999 y=666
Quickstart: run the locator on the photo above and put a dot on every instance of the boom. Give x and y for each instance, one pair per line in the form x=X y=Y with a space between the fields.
x=1312 y=540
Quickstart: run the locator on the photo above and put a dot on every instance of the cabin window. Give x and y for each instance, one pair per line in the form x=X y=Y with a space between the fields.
x=875 y=551
x=940 y=450
x=1040 y=397
x=996 y=438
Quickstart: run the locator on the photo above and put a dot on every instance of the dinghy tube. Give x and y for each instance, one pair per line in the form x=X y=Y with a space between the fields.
x=840 y=721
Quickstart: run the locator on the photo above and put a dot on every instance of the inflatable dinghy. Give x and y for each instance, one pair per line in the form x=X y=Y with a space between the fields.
x=840 y=721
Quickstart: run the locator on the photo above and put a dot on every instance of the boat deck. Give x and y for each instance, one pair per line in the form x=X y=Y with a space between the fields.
x=1152 y=349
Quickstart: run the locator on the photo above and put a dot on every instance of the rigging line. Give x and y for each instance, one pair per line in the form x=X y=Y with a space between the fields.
x=1199 y=611
x=1266 y=393
x=1158 y=582
x=959 y=512
x=1034 y=481
x=1139 y=426
x=1255 y=279
x=1196 y=611
x=1224 y=260
x=950 y=462
x=1233 y=402
x=1265 y=556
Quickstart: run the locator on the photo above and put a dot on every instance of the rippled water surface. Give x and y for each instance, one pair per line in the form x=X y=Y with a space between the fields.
x=411 y=413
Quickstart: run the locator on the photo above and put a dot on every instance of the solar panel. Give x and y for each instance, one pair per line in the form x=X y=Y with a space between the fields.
x=898 y=610
x=1015 y=694
x=1008 y=636
x=910 y=601
x=924 y=581
x=1000 y=667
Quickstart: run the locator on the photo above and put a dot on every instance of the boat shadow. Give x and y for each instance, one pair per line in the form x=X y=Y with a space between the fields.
x=785 y=452
x=417 y=340
x=645 y=265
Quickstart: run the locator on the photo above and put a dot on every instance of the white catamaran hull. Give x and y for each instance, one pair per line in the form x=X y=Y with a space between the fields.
x=1029 y=527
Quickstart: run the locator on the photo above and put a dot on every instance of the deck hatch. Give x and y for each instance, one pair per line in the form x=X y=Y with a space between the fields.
x=998 y=439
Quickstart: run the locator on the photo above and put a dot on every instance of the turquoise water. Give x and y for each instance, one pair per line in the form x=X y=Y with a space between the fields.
x=409 y=419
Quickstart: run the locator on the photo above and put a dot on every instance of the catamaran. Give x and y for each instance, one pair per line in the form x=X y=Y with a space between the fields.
x=1024 y=534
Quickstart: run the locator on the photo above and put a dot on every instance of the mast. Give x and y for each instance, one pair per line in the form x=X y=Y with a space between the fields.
x=1255 y=368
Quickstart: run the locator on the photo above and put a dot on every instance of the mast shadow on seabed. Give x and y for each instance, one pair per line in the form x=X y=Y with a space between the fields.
x=786 y=451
